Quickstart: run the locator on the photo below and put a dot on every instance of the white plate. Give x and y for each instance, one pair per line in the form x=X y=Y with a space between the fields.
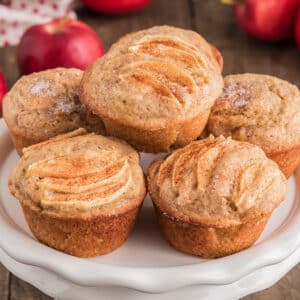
x=145 y=262
x=59 y=288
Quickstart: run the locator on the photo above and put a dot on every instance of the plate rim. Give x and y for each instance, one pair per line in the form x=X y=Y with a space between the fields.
x=239 y=292
x=149 y=279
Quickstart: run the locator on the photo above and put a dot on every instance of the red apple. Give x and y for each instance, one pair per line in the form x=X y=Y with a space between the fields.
x=297 y=29
x=116 y=7
x=60 y=43
x=271 y=20
x=2 y=90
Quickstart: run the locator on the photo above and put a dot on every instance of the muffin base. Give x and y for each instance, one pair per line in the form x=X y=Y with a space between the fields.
x=81 y=237
x=206 y=241
x=287 y=160
x=158 y=140
x=21 y=142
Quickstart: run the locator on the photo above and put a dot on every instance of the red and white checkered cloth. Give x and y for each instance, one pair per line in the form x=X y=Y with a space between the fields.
x=17 y=15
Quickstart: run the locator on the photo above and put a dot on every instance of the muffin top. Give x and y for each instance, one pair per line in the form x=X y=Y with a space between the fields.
x=261 y=109
x=44 y=104
x=79 y=174
x=216 y=182
x=153 y=77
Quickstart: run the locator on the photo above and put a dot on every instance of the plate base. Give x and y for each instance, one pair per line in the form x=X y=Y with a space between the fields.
x=60 y=289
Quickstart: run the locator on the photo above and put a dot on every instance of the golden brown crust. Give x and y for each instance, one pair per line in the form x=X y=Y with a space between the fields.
x=79 y=175
x=217 y=182
x=263 y=110
x=80 y=237
x=44 y=104
x=152 y=84
x=210 y=242
x=161 y=140
x=286 y=160
x=214 y=196
x=218 y=56
x=80 y=193
x=21 y=142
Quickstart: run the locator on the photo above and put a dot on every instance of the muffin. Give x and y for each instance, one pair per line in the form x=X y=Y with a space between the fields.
x=44 y=104
x=80 y=193
x=262 y=110
x=215 y=196
x=154 y=88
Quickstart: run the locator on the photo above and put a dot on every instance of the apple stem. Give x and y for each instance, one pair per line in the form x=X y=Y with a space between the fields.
x=57 y=25
x=232 y=2
x=63 y=20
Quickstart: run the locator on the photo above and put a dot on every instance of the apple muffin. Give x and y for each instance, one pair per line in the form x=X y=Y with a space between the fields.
x=263 y=110
x=215 y=196
x=80 y=193
x=44 y=104
x=155 y=88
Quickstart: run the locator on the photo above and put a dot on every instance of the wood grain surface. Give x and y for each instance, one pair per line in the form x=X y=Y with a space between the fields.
x=241 y=54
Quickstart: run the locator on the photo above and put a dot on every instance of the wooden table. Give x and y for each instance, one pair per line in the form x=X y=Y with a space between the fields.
x=241 y=54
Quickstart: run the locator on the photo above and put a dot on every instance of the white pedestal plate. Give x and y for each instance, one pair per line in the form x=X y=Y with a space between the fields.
x=146 y=267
